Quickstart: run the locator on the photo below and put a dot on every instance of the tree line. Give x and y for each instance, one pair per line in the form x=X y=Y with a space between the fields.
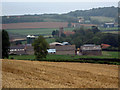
x=91 y=36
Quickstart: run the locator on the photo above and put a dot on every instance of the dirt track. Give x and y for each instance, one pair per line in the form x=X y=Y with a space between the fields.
x=35 y=74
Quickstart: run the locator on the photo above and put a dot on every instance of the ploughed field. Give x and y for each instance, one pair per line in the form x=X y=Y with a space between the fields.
x=39 y=74
x=34 y=25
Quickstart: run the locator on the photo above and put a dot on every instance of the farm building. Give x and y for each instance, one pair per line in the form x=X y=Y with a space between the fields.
x=30 y=39
x=17 y=50
x=21 y=50
x=108 y=25
x=91 y=49
x=63 y=48
x=104 y=46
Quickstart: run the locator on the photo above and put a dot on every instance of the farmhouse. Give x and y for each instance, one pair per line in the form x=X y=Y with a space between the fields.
x=91 y=49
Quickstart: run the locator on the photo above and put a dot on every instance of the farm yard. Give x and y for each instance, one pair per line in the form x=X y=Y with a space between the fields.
x=38 y=74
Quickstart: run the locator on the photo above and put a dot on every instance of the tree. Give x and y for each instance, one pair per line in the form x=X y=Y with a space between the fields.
x=40 y=47
x=5 y=44
x=53 y=33
x=95 y=29
x=69 y=24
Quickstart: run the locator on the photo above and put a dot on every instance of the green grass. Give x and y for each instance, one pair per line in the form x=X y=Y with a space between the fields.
x=114 y=28
x=46 y=31
x=50 y=40
x=102 y=18
x=73 y=58
x=106 y=54
x=34 y=31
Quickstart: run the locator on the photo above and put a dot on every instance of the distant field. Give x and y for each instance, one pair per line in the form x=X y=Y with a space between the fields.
x=34 y=25
x=102 y=19
x=114 y=28
x=36 y=31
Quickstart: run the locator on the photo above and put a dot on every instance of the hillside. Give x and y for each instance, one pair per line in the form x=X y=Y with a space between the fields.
x=35 y=74
x=104 y=11
x=68 y=17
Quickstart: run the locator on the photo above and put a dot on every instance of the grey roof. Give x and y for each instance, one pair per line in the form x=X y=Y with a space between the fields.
x=65 y=48
x=91 y=47
x=17 y=47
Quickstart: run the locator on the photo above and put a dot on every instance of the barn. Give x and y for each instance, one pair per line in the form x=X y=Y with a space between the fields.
x=91 y=49
x=63 y=48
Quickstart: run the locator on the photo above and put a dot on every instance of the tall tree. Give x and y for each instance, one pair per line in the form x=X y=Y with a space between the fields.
x=5 y=44
x=40 y=47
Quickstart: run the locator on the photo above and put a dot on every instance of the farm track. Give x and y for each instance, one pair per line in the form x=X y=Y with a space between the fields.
x=35 y=74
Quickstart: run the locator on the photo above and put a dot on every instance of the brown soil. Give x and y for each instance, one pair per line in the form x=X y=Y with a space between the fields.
x=34 y=25
x=35 y=74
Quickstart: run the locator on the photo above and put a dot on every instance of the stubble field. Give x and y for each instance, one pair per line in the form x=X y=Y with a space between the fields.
x=38 y=74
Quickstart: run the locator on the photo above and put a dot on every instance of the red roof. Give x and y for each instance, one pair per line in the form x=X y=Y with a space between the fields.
x=67 y=33
x=105 y=46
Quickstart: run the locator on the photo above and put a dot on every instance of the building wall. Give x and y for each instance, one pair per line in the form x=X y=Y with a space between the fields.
x=92 y=52
x=64 y=50
x=72 y=52
x=30 y=50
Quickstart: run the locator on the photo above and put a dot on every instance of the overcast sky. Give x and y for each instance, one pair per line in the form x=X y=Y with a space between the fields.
x=9 y=7
x=60 y=0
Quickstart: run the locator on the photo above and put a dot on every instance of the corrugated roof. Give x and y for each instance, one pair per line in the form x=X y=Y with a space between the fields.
x=54 y=43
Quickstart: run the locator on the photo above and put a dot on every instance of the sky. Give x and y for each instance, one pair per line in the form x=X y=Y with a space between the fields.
x=21 y=7
x=60 y=0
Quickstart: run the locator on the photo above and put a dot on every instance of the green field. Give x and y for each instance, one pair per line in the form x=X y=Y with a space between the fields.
x=36 y=31
x=114 y=28
x=105 y=54
x=74 y=58
x=50 y=40
x=102 y=19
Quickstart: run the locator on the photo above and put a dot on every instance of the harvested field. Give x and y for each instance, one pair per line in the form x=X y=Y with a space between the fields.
x=35 y=74
x=35 y=25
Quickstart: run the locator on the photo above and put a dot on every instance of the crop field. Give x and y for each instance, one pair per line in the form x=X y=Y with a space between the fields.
x=39 y=74
x=34 y=25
